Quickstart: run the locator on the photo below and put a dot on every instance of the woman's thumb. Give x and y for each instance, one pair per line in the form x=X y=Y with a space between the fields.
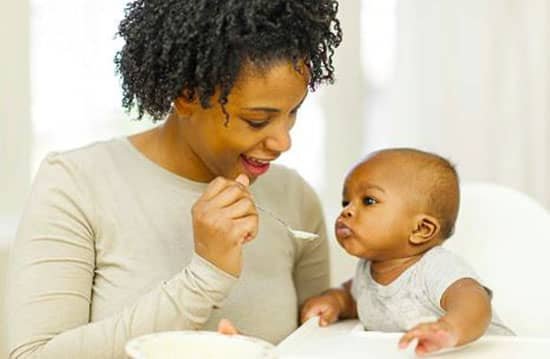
x=243 y=179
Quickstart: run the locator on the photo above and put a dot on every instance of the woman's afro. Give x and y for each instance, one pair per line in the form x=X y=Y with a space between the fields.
x=195 y=47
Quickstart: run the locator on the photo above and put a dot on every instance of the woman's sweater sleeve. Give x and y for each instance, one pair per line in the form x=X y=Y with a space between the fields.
x=311 y=269
x=51 y=277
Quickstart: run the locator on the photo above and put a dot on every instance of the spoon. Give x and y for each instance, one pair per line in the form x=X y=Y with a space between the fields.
x=294 y=233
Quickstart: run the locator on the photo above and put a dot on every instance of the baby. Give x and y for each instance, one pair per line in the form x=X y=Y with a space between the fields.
x=399 y=206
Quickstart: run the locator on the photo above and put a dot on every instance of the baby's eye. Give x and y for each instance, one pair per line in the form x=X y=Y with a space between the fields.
x=369 y=201
x=345 y=203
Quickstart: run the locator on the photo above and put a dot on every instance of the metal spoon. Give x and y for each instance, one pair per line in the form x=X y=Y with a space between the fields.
x=294 y=233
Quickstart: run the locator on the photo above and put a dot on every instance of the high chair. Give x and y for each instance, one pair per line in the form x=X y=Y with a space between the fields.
x=505 y=235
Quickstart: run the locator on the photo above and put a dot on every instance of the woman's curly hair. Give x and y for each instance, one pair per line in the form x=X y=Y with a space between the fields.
x=194 y=47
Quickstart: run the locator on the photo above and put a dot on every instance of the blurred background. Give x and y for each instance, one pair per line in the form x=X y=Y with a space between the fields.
x=468 y=79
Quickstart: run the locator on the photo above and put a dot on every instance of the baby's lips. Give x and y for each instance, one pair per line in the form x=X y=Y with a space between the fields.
x=342 y=231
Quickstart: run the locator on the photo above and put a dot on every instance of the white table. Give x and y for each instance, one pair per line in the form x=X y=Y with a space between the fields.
x=347 y=340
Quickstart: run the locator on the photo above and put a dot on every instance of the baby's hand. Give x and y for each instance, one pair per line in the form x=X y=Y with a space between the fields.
x=326 y=306
x=431 y=337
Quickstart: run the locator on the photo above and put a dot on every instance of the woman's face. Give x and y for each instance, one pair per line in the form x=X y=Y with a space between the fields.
x=262 y=108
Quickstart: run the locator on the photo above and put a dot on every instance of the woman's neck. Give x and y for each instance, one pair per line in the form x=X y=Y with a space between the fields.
x=165 y=146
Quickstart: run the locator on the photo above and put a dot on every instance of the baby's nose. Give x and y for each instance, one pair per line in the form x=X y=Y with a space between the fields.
x=347 y=212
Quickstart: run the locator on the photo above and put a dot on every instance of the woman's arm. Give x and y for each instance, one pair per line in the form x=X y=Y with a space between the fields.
x=51 y=275
x=312 y=267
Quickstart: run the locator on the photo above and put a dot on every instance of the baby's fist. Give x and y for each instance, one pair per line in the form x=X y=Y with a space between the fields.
x=325 y=306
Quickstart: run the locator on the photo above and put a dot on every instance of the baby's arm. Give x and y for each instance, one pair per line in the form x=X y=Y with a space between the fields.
x=334 y=304
x=468 y=314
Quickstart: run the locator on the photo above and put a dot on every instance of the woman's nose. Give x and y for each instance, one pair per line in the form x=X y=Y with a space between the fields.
x=279 y=140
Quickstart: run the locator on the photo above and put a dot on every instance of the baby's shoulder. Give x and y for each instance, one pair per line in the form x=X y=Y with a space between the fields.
x=441 y=256
x=440 y=263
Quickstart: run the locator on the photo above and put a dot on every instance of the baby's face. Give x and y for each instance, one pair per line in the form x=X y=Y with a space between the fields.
x=376 y=219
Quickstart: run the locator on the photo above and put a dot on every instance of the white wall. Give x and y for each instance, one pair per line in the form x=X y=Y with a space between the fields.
x=14 y=105
x=14 y=126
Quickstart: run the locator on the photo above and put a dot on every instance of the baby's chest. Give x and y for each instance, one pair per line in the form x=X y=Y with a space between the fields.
x=398 y=312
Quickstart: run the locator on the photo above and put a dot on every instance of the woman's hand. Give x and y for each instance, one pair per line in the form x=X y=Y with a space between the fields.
x=326 y=306
x=226 y=327
x=431 y=337
x=224 y=218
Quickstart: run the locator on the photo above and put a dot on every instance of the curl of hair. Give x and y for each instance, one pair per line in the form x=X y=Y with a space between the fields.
x=194 y=47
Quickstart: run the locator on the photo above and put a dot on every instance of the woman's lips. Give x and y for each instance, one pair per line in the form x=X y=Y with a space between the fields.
x=255 y=166
x=342 y=231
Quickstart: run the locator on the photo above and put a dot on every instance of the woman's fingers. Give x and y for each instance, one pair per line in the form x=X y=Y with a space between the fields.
x=226 y=327
x=230 y=194
x=220 y=184
x=224 y=218
x=215 y=187
x=245 y=229
x=243 y=207
x=243 y=179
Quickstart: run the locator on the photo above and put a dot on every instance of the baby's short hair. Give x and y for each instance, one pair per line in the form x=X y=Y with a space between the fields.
x=435 y=183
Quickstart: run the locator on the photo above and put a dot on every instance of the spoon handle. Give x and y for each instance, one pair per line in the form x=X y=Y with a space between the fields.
x=268 y=212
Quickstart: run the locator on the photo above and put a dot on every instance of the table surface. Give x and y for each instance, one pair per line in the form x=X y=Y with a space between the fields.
x=347 y=339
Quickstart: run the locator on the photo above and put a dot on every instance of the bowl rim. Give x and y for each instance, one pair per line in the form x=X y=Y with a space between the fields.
x=133 y=345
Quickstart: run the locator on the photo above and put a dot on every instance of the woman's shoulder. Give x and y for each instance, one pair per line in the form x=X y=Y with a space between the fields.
x=88 y=152
x=81 y=164
x=88 y=158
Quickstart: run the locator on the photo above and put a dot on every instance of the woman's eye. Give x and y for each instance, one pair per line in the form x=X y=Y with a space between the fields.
x=345 y=203
x=257 y=124
x=369 y=201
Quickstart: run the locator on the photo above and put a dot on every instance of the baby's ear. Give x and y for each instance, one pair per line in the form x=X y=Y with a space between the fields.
x=426 y=228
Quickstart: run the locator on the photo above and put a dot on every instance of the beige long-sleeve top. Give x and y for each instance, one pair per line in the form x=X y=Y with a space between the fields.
x=104 y=252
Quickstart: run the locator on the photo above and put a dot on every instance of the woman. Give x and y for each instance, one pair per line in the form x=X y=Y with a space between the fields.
x=161 y=231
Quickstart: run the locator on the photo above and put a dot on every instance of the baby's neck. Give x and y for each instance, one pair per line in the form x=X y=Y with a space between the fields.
x=386 y=271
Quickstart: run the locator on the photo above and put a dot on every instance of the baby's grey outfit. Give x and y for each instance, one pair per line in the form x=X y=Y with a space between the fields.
x=415 y=296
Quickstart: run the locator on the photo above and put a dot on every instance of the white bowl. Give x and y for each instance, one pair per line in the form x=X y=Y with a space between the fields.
x=198 y=345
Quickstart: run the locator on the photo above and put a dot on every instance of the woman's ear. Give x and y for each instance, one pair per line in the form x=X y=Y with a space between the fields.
x=185 y=105
x=426 y=228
